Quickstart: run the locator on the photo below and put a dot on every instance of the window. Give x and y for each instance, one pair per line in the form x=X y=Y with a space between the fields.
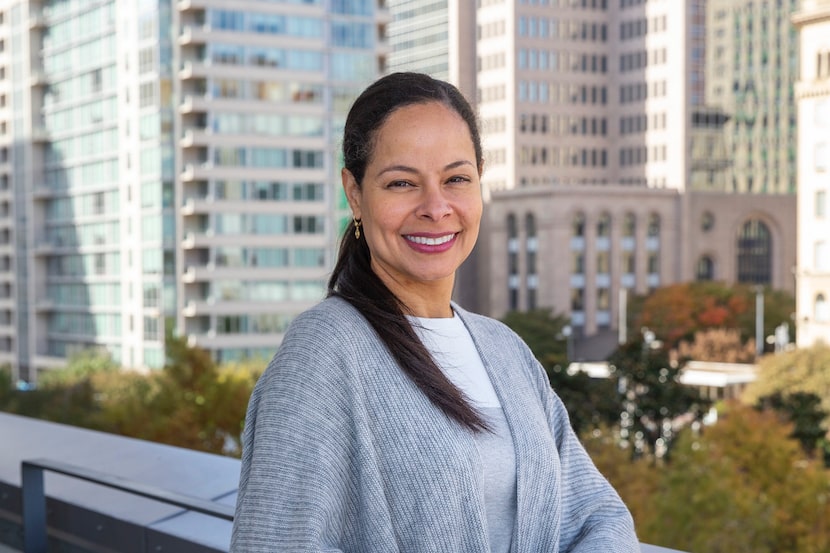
x=530 y=225
x=604 y=225
x=628 y=264
x=578 y=225
x=629 y=225
x=603 y=263
x=705 y=268
x=822 y=256
x=822 y=152
x=577 y=263
x=754 y=253
x=653 y=225
x=821 y=309
x=577 y=299
x=821 y=204
x=707 y=221
x=603 y=299
x=653 y=263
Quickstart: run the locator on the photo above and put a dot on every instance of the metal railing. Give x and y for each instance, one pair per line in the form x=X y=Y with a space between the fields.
x=35 y=535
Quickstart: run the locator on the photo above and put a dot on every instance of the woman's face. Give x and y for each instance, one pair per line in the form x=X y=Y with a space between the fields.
x=420 y=201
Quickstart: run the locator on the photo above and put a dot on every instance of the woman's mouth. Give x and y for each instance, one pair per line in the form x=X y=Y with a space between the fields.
x=430 y=240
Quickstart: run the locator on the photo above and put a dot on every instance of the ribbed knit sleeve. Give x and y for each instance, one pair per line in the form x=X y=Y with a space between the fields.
x=594 y=518
x=301 y=489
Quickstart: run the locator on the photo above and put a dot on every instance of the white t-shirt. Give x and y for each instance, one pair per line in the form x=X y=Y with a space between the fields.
x=453 y=350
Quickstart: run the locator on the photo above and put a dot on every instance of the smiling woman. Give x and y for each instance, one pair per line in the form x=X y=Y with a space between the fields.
x=419 y=204
x=390 y=418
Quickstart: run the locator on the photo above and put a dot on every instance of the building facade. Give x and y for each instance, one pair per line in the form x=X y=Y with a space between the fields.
x=594 y=93
x=582 y=253
x=264 y=95
x=813 y=97
x=752 y=65
x=171 y=166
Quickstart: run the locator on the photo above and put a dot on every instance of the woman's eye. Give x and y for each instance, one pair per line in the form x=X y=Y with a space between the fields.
x=459 y=179
x=398 y=184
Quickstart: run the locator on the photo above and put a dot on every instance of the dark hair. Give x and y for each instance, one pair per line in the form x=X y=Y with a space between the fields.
x=353 y=278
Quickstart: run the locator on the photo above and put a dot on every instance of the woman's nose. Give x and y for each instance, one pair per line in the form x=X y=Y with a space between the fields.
x=434 y=203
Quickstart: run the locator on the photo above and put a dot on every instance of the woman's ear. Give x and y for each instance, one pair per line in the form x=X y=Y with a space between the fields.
x=352 y=191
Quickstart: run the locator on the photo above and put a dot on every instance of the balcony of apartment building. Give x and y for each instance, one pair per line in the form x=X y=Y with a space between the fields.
x=67 y=488
x=5 y=189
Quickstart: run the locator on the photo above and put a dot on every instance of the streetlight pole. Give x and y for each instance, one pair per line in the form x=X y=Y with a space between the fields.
x=759 y=321
x=567 y=332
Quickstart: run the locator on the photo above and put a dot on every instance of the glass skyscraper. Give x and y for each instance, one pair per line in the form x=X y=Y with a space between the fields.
x=171 y=166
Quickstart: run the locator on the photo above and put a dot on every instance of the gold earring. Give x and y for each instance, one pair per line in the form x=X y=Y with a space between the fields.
x=357 y=223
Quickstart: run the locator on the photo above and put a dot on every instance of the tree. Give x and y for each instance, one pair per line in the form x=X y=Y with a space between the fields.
x=654 y=399
x=803 y=370
x=723 y=345
x=742 y=485
x=542 y=332
x=803 y=411
x=677 y=311
x=589 y=401
x=190 y=403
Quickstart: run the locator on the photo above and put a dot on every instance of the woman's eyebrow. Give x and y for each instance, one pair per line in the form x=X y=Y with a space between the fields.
x=408 y=169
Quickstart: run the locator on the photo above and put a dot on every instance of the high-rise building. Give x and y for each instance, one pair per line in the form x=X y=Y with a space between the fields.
x=437 y=38
x=813 y=97
x=587 y=93
x=752 y=65
x=597 y=133
x=171 y=165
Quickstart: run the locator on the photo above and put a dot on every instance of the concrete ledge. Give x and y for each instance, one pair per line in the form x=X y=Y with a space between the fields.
x=89 y=516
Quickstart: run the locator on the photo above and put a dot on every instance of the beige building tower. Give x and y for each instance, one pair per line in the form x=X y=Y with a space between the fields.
x=813 y=97
x=588 y=93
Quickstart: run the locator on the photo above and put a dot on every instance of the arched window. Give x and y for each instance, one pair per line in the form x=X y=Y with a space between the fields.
x=705 y=268
x=530 y=225
x=707 y=221
x=653 y=225
x=604 y=225
x=821 y=309
x=755 y=253
x=629 y=225
x=512 y=228
x=578 y=225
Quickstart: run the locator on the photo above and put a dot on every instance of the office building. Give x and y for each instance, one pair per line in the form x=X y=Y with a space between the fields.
x=171 y=165
x=813 y=97
x=752 y=65
x=585 y=254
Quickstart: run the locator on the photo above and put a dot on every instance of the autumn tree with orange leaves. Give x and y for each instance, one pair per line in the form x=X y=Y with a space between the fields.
x=679 y=311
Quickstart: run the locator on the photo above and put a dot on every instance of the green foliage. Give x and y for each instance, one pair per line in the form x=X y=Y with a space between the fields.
x=802 y=370
x=542 y=331
x=653 y=397
x=190 y=403
x=589 y=401
x=741 y=485
x=803 y=411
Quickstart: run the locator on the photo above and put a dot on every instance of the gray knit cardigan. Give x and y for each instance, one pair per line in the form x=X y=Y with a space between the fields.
x=341 y=452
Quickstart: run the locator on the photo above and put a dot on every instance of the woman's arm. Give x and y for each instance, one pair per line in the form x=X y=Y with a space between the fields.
x=297 y=480
x=594 y=518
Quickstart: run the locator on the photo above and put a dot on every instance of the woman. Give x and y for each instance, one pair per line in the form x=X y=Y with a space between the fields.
x=392 y=420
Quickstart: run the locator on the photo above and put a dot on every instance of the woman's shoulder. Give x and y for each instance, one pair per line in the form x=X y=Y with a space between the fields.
x=330 y=317
x=482 y=325
x=324 y=328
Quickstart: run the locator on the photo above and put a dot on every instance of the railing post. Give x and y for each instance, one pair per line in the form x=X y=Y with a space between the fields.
x=34 y=509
